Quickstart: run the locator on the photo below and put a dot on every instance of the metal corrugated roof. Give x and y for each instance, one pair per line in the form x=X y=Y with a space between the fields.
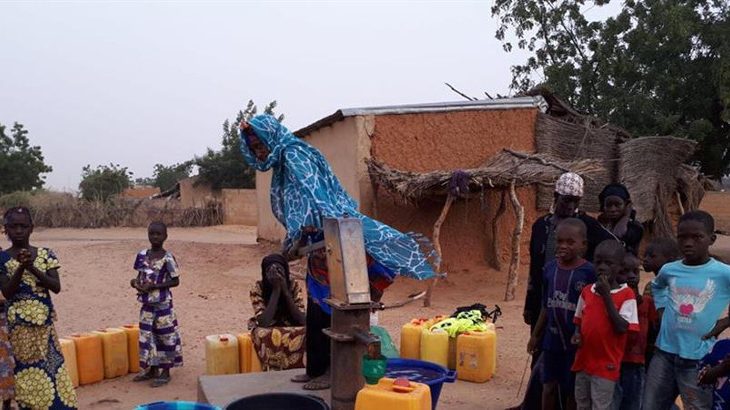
x=495 y=104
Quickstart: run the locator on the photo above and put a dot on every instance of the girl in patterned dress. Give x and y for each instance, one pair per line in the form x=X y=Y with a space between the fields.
x=26 y=276
x=160 y=348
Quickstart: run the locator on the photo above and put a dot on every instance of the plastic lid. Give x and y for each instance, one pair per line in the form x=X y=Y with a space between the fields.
x=223 y=338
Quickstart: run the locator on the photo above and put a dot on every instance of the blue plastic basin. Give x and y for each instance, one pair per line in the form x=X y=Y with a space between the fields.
x=419 y=371
x=176 y=405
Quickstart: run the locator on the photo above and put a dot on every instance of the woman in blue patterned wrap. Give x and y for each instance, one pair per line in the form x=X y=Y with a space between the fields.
x=304 y=190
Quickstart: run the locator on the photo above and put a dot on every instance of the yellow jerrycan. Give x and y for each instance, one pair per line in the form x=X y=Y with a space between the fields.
x=89 y=358
x=390 y=395
x=68 y=349
x=476 y=356
x=248 y=360
x=435 y=346
x=410 y=339
x=132 y=332
x=114 y=346
x=221 y=354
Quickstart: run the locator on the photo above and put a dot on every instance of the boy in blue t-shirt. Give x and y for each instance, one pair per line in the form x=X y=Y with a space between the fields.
x=563 y=281
x=690 y=295
x=716 y=371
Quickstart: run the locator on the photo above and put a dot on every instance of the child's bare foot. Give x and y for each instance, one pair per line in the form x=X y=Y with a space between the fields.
x=319 y=383
x=301 y=378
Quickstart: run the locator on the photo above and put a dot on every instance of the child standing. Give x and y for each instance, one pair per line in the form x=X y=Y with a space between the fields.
x=606 y=313
x=658 y=253
x=630 y=388
x=27 y=277
x=690 y=295
x=160 y=348
x=564 y=279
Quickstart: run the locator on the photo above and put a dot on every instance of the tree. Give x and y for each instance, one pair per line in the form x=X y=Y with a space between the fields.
x=659 y=67
x=227 y=168
x=104 y=181
x=166 y=176
x=21 y=165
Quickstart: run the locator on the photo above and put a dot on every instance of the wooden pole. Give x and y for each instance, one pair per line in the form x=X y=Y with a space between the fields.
x=514 y=263
x=497 y=263
x=679 y=202
x=437 y=246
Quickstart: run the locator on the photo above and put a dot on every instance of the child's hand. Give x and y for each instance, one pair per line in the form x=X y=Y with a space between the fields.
x=25 y=258
x=707 y=375
x=133 y=283
x=532 y=345
x=719 y=327
x=602 y=286
x=576 y=339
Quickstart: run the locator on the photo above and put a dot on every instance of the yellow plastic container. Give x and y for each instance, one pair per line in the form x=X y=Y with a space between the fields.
x=435 y=346
x=248 y=360
x=132 y=332
x=221 y=354
x=116 y=357
x=476 y=356
x=452 y=353
x=410 y=339
x=68 y=349
x=89 y=358
x=383 y=396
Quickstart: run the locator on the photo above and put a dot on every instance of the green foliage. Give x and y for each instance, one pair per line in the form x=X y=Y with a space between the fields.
x=166 y=176
x=227 y=168
x=104 y=181
x=21 y=165
x=659 y=67
x=17 y=198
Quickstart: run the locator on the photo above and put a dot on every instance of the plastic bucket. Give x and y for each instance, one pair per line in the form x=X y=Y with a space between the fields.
x=176 y=405
x=420 y=371
x=279 y=401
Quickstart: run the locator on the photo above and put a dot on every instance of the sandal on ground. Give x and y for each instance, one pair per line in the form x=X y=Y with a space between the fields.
x=319 y=383
x=143 y=377
x=161 y=381
x=301 y=378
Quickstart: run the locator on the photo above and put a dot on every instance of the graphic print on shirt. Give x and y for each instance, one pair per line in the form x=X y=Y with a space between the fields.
x=689 y=300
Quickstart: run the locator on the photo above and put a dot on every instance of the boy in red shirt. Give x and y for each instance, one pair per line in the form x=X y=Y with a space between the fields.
x=605 y=314
x=630 y=389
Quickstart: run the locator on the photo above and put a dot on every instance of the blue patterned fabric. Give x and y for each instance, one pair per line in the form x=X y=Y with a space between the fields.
x=304 y=190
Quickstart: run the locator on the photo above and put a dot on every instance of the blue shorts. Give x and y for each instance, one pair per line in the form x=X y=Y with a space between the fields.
x=556 y=369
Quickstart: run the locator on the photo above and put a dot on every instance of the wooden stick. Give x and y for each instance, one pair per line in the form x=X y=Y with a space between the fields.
x=497 y=263
x=679 y=202
x=459 y=92
x=514 y=264
x=437 y=246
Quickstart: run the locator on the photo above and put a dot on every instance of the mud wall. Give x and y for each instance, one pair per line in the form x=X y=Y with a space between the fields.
x=446 y=141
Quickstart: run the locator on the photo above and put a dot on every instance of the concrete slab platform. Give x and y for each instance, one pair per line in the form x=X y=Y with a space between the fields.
x=222 y=390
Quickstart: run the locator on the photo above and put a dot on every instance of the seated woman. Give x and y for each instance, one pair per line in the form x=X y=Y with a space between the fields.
x=277 y=328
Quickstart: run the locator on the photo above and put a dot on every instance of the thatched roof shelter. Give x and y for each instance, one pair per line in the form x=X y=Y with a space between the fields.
x=498 y=172
x=654 y=171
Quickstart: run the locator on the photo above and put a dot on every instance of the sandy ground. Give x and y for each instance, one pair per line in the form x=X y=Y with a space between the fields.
x=218 y=266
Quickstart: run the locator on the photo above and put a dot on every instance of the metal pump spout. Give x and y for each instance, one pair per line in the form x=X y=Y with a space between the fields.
x=371 y=342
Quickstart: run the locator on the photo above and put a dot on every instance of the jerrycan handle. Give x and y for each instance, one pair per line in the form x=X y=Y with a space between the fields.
x=450 y=376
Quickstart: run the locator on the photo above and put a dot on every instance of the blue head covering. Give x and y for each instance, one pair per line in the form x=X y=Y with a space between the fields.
x=304 y=190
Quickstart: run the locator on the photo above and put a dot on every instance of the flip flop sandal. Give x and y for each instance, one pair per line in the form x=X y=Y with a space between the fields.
x=160 y=381
x=317 y=385
x=143 y=377
x=301 y=378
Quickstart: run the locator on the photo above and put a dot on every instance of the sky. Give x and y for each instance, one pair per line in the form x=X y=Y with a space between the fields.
x=140 y=83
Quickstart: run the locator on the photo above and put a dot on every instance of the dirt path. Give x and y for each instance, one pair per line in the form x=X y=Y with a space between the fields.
x=218 y=266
